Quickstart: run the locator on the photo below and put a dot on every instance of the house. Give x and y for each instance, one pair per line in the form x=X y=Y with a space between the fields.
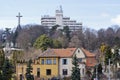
x=45 y=65
x=65 y=61
x=57 y=63
x=90 y=58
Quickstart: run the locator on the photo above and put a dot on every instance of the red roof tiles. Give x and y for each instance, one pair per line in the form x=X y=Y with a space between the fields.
x=68 y=52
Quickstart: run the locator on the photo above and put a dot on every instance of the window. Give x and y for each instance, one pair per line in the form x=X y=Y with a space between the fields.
x=42 y=61
x=79 y=59
x=64 y=71
x=48 y=61
x=48 y=71
x=64 y=61
x=83 y=71
x=54 y=61
x=38 y=72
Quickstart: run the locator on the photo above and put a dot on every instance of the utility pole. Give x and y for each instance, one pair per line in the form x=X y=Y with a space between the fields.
x=109 y=71
x=96 y=72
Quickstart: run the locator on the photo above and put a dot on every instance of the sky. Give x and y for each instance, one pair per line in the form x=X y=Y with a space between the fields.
x=95 y=14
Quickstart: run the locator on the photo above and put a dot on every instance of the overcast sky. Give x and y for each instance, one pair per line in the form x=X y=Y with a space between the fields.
x=95 y=14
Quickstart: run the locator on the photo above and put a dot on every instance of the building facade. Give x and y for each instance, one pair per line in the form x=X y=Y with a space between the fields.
x=65 y=61
x=45 y=66
x=60 y=20
x=57 y=63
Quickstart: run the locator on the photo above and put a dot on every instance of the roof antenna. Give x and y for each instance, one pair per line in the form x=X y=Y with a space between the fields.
x=61 y=8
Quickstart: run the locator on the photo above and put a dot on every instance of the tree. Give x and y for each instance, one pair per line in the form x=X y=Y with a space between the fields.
x=117 y=41
x=29 y=34
x=101 y=36
x=53 y=30
x=7 y=70
x=43 y=42
x=75 y=70
x=29 y=69
x=67 y=32
x=64 y=41
x=99 y=72
x=2 y=58
x=90 y=39
x=110 y=36
x=108 y=55
x=116 y=59
x=56 y=44
x=75 y=42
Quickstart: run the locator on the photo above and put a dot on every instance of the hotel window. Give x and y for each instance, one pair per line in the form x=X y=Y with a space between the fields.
x=64 y=61
x=42 y=61
x=54 y=61
x=48 y=71
x=64 y=71
x=48 y=61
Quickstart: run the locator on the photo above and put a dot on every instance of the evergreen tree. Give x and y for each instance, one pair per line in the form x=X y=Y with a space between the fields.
x=29 y=69
x=56 y=44
x=108 y=55
x=7 y=70
x=2 y=58
x=43 y=42
x=75 y=70
x=66 y=30
x=53 y=29
x=99 y=71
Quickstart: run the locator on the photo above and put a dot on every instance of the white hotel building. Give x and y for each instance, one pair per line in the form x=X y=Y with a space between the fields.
x=60 y=20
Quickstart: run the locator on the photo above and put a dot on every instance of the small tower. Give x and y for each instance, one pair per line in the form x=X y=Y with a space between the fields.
x=59 y=18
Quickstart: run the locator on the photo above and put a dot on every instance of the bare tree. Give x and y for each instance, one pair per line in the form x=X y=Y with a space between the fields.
x=75 y=42
x=29 y=34
x=110 y=35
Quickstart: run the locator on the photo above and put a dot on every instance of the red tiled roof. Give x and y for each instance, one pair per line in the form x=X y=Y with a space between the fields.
x=68 y=52
x=90 y=58
x=49 y=53
x=87 y=53
x=91 y=62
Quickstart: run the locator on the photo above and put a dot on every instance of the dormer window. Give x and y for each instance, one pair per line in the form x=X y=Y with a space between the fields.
x=78 y=51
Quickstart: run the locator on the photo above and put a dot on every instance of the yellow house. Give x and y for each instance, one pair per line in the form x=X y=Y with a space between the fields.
x=46 y=66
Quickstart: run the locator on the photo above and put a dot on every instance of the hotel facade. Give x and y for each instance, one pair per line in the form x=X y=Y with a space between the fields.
x=60 y=20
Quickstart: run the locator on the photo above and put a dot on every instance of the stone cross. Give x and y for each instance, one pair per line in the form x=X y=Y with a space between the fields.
x=19 y=16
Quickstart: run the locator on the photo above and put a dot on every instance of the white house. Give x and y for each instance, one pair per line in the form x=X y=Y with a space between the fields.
x=65 y=61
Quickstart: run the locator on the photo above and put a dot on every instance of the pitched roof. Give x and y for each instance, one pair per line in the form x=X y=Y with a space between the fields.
x=91 y=62
x=87 y=53
x=90 y=58
x=49 y=53
x=68 y=52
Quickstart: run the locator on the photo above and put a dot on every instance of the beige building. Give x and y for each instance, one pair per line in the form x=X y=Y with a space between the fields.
x=57 y=63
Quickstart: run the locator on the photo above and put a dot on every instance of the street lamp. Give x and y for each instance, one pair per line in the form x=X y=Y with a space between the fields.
x=96 y=72
x=109 y=70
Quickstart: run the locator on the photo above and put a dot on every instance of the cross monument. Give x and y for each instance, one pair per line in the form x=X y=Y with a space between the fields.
x=19 y=16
